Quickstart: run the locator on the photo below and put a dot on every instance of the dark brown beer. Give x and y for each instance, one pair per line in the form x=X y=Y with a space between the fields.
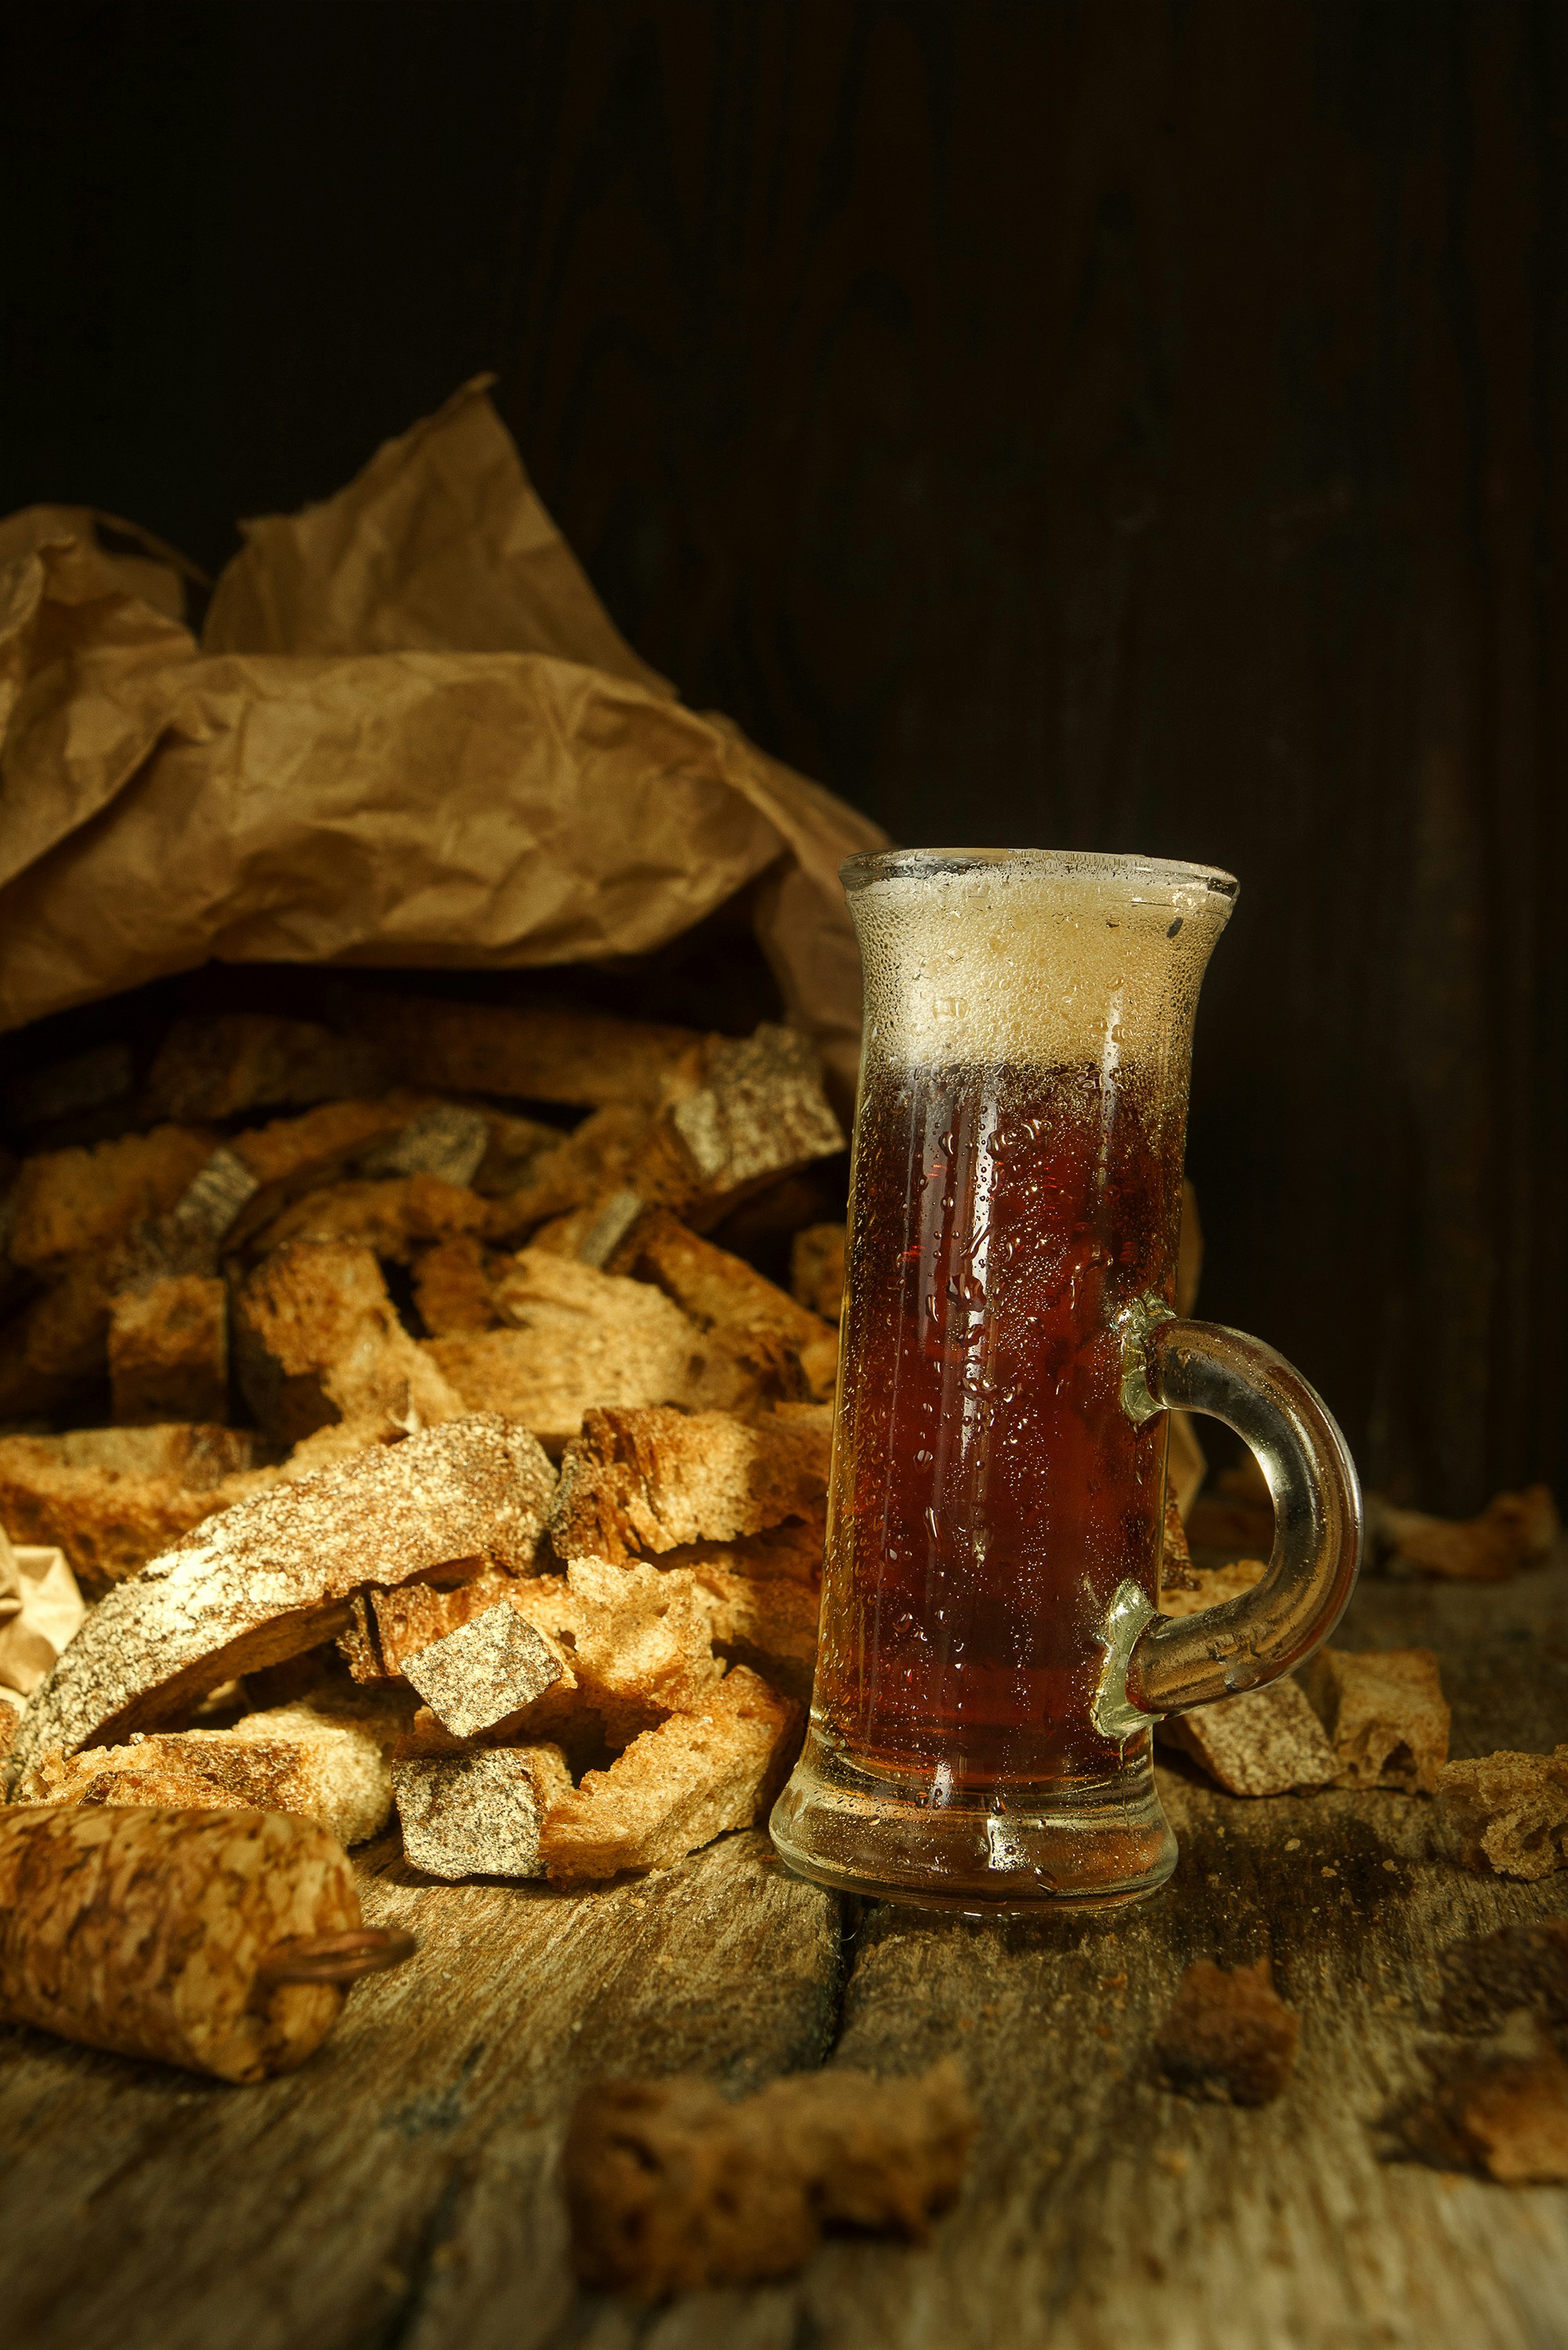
x=989 y=1492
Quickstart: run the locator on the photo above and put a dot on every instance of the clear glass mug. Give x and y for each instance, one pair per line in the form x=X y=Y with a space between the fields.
x=990 y=1661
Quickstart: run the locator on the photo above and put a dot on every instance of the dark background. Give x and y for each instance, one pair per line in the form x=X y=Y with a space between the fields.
x=1135 y=424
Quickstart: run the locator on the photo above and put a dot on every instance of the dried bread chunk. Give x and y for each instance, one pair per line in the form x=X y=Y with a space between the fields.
x=640 y=1639
x=771 y=1623
x=145 y=1932
x=332 y=1769
x=548 y=1054
x=791 y=1553
x=817 y=1269
x=395 y=1216
x=616 y=1149
x=1386 y=1715
x=40 y=1610
x=578 y=1338
x=452 y=1289
x=219 y=1064
x=760 y=1112
x=676 y=1787
x=318 y=1340
x=792 y=1353
x=480 y=1813
x=672 y=2188
x=1515 y=1531
x=647 y=1479
x=1501 y=2110
x=1229 y=2037
x=112 y=1498
x=1263 y=1742
x=484 y=1671
x=169 y=1350
x=67 y=1202
x=449 y=1141
x=1511 y=1811
x=272 y=1576
x=1211 y=1587
x=1176 y=1571
x=390 y=1626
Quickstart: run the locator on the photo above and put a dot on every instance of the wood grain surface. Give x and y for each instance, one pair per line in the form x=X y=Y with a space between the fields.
x=1133 y=425
x=400 y=2191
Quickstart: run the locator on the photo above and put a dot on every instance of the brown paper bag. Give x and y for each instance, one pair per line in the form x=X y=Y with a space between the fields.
x=411 y=735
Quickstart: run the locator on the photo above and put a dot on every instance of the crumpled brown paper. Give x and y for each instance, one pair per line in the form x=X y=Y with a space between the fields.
x=411 y=735
x=40 y=1609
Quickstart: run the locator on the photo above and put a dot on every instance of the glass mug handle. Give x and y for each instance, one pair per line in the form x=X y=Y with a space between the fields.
x=1158 y=1664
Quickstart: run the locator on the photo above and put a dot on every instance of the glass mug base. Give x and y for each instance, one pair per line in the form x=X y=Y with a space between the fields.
x=1093 y=1844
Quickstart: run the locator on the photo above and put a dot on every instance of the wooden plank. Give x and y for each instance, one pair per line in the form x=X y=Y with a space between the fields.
x=401 y=2189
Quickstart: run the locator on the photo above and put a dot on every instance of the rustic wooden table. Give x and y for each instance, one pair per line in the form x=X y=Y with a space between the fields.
x=400 y=2190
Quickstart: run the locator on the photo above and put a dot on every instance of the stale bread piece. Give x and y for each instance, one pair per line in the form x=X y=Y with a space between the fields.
x=790 y=1352
x=1386 y=1715
x=651 y=1479
x=272 y=1578
x=40 y=1610
x=494 y=1666
x=390 y=1626
x=169 y=1350
x=817 y=1269
x=112 y=1498
x=641 y=1643
x=1518 y=1965
x=1501 y=2110
x=1229 y=2037
x=1209 y=1585
x=549 y=1053
x=452 y=1289
x=396 y=1217
x=1515 y=1531
x=66 y=1203
x=1511 y=1811
x=617 y=1149
x=145 y=1932
x=772 y=1624
x=676 y=1787
x=317 y=1340
x=219 y=1065
x=1262 y=1743
x=479 y=1815
x=332 y=1770
x=672 y=2188
x=448 y=1142
x=580 y=1337
x=759 y=1113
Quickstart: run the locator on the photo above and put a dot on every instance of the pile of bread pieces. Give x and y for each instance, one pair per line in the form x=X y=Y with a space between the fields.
x=452 y=1460
x=524 y=1534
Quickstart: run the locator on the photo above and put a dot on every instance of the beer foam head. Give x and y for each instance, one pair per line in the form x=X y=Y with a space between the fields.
x=974 y=957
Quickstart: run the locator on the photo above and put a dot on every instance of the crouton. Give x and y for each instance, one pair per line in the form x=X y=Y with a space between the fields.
x=317 y=1340
x=547 y=1053
x=482 y=1673
x=790 y=1352
x=479 y=1813
x=272 y=1578
x=217 y=1064
x=1511 y=1811
x=760 y=1112
x=452 y=1289
x=642 y=1645
x=67 y=1202
x=330 y=1768
x=1262 y=1743
x=1229 y=2037
x=1386 y=1715
x=670 y=2188
x=817 y=1270
x=395 y=1217
x=169 y=1351
x=1501 y=2110
x=579 y=1337
x=650 y=1479
x=113 y=1498
x=1515 y=1531
x=675 y=1787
